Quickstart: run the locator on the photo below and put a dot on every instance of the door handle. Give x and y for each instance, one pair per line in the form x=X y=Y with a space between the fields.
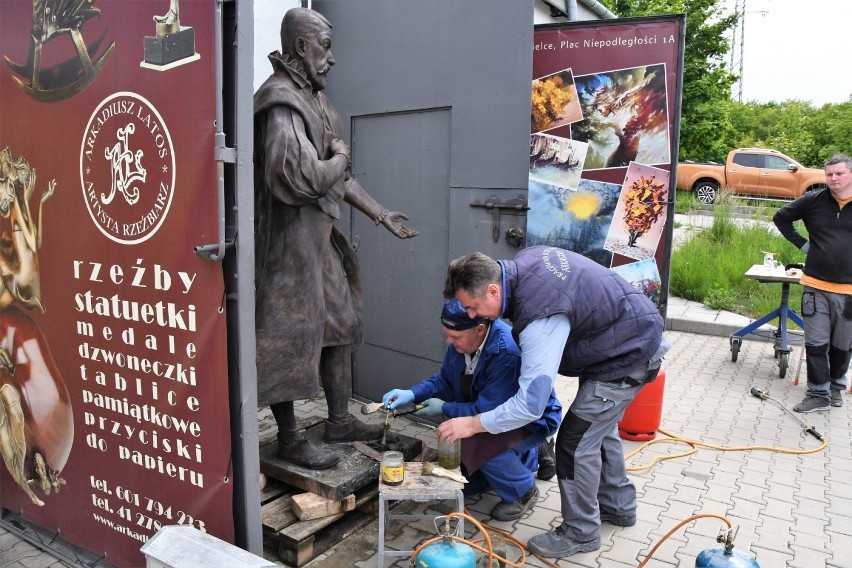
x=515 y=237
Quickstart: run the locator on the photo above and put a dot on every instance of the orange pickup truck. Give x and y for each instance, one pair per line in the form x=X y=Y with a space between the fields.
x=749 y=172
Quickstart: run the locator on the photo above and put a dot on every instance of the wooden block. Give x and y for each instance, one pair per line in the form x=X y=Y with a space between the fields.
x=277 y=514
x=309 y=506
x=371 y=507
x=273 y=490
x=298 y=531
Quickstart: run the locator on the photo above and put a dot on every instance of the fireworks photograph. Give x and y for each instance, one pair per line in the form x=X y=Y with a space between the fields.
x=625 y=117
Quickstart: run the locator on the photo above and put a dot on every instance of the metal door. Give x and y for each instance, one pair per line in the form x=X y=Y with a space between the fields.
x=435 y=97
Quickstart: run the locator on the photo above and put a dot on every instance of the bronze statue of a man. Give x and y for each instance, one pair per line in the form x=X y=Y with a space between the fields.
x=308 y=299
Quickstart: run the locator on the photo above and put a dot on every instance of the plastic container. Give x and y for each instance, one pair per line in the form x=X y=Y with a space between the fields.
x=642 y=417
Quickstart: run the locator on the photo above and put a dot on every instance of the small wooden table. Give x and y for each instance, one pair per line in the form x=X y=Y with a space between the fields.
x=783 y=312
x=416 y=488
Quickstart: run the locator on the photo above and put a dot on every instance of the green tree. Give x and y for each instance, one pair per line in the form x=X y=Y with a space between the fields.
x=810 y=135
x=705 y=122
x=831 y=130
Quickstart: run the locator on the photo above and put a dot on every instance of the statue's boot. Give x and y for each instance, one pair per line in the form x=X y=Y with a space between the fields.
x=352 y=430
x=304 y=452
x=336 y=376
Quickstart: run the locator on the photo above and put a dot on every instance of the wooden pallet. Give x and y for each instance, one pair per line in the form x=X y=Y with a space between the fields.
x=299 y=542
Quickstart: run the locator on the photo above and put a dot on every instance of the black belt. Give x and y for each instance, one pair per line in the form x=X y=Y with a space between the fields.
x=650 y=376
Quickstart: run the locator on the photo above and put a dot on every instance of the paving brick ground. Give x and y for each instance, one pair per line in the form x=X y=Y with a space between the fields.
x=792 y=510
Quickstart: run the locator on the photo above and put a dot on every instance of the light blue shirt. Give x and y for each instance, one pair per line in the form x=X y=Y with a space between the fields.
x=542 y=343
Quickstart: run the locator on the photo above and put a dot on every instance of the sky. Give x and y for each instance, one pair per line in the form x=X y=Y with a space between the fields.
x=795 y=49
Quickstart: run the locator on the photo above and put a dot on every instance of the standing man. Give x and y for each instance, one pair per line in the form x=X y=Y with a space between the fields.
x=827 y=281
x=480 y=372
x=573 y=317
x=308 y=299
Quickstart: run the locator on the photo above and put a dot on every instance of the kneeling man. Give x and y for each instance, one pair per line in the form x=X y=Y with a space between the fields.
x=480 y=372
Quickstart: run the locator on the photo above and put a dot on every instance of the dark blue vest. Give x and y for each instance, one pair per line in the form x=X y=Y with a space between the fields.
x=615 y=329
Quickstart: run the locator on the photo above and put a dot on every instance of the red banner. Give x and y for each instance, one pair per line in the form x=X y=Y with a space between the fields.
x=113 y=359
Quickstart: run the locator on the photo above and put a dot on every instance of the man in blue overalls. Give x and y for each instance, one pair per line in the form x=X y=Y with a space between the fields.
x=480 y=372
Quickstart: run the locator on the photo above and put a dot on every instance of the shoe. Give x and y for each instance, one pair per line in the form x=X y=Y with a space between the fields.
x=303 y=452
x=546 y=460
x=516 y=509
x=812 y=404
x=836 y=398
x=613 y=518
x=352 y=430
x=556 y=544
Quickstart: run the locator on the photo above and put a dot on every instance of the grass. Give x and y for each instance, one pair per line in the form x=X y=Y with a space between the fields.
x=709 y=267
x=687 y=204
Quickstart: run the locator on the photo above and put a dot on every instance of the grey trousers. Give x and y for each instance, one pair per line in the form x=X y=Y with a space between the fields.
x=828 y=339
x=590 y=459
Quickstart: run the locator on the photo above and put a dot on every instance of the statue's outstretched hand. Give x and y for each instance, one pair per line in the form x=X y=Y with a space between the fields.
x=393 y=222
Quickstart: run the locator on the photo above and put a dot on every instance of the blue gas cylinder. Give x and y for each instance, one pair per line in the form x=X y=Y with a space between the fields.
x=446 y=554
x=718 y=558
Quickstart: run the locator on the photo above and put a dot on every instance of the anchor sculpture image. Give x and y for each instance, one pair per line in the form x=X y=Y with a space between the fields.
x=36 y=420
x=53 y=19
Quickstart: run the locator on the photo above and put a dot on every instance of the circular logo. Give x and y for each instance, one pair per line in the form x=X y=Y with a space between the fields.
x=127 y=168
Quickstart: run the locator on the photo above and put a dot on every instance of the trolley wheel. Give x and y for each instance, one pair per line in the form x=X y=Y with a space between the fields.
x=782 y=364
x=735 y=349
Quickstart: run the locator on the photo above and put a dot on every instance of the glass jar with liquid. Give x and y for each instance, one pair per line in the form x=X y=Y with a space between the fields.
x=393 y=468
x=449 y=454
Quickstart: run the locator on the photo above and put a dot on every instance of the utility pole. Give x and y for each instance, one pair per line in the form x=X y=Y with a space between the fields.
x=739 y=35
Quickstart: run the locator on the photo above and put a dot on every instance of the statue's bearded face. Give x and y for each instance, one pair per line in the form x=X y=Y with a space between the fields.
x=317 y=58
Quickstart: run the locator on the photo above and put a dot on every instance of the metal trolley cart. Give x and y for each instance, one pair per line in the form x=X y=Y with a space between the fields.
x=783 y=312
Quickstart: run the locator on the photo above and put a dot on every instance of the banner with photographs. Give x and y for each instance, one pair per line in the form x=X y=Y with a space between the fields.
x=604 y=131
x=114 y=415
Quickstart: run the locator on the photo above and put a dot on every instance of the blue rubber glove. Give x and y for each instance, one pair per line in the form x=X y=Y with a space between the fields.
x=396 y=398
x=431 y=407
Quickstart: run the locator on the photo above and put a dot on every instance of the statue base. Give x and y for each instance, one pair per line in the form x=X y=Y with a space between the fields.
x=171 y=49
x=355 y=470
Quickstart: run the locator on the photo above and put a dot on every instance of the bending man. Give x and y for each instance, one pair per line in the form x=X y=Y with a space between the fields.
x=573 y=317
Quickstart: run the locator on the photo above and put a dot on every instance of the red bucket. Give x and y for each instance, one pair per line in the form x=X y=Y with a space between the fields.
x=643 y=415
